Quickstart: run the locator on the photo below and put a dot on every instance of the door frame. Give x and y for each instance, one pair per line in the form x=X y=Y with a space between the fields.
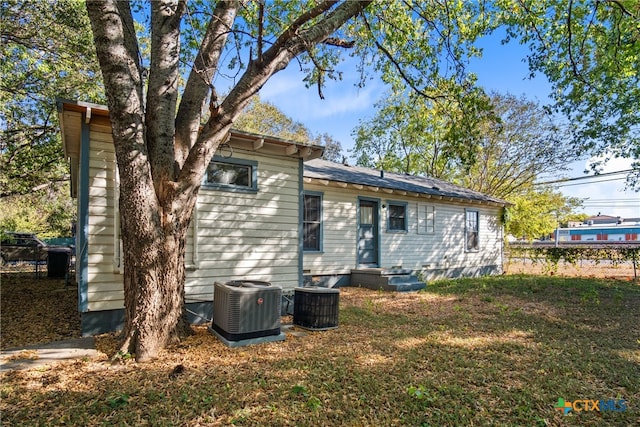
x=376 y=230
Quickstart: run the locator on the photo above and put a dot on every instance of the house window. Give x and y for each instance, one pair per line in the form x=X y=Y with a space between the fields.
x=397 y=216
x=426 y=219
x=232 y=174
x=472 y=230
x=312 y=222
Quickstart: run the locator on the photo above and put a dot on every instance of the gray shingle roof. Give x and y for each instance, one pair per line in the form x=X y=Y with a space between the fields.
x=322 y=169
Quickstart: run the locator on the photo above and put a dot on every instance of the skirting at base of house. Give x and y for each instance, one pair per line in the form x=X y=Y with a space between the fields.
x=328 y=281
x=198 y=313
x=101 y=322
x=426 y=275
x=387 y=279
x=455 y=273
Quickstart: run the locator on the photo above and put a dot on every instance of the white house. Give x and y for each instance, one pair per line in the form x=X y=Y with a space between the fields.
x=268 y=211
x=370 y=218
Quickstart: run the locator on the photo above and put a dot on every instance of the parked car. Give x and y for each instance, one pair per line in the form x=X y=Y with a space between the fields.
x=22 y=247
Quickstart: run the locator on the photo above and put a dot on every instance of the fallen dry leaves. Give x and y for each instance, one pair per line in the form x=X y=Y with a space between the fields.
x=496 y=351
x=37 y=311
x=602 y=270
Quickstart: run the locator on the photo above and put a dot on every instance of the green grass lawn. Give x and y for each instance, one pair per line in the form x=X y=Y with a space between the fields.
x=492 y=351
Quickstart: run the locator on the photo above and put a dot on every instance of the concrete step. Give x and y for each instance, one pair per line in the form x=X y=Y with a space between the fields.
x=398 y=280
x=383 y=271
x=405 y=287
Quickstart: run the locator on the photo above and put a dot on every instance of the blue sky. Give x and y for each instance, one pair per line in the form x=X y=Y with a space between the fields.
x=501 y=69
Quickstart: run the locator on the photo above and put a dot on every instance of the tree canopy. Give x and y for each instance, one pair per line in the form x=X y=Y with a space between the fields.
x=537 y=212
x=47 y=52
x=267 y=119
x=590 y=53
x=414 y=135
x=524 y=144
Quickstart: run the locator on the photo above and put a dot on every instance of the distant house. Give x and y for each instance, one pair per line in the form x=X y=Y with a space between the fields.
x=270 y=210
x=602 y=220
x=601 y=229
x=599 y=233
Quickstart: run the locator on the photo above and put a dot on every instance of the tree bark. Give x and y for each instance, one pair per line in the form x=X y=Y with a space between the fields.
x=162 y=156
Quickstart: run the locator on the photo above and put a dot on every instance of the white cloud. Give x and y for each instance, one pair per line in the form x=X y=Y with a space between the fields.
x=287 y=91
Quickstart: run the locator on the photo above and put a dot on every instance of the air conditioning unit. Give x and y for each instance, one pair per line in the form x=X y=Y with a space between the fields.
x=316 y=308
x=246 y=312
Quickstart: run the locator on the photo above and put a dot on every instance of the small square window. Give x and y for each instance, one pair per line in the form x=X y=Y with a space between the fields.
x=397 y=217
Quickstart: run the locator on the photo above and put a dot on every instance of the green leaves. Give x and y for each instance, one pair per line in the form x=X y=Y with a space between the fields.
x=412 y=134
x=48 y=212
x=590 y=53
x=536 y=213
x=266 y=119
x=47 y=52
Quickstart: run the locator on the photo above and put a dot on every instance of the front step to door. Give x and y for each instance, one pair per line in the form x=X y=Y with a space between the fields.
x=386 y=279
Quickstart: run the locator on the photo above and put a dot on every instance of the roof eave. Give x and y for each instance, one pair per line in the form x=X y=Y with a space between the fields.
x=287 y=147
x=401 y=192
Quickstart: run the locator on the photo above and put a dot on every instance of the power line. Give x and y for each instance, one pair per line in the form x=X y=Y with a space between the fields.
x=622 y=200
x=635 y=202
x=611 y=202
x=587 y=205
x=592 y=182
x=580 y=178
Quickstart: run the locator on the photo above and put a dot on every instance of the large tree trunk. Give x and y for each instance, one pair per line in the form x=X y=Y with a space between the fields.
x=154 y=278
x=161 y=150
x=154 y=217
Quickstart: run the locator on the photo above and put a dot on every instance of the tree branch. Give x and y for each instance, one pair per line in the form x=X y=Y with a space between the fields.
x=199 y=81
x=622 y=8
x=260 y=28
x=117 y=50
x=334 y=41
x=162 y=92
x=397 y=66
x=293 y=41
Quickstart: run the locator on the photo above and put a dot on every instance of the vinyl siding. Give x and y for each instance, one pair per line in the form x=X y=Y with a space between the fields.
x=104 y=290
x=442 y=249
x=249 y=236
x=339 y=232
x=252 y=236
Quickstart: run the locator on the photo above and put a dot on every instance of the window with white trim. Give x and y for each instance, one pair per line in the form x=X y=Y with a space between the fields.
x=472 y=230
x=397 y=216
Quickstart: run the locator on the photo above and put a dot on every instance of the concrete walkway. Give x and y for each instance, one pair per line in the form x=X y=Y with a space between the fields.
x=42 y=354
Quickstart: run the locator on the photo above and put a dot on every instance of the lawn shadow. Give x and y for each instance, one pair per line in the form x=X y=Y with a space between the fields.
x=457 y=354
